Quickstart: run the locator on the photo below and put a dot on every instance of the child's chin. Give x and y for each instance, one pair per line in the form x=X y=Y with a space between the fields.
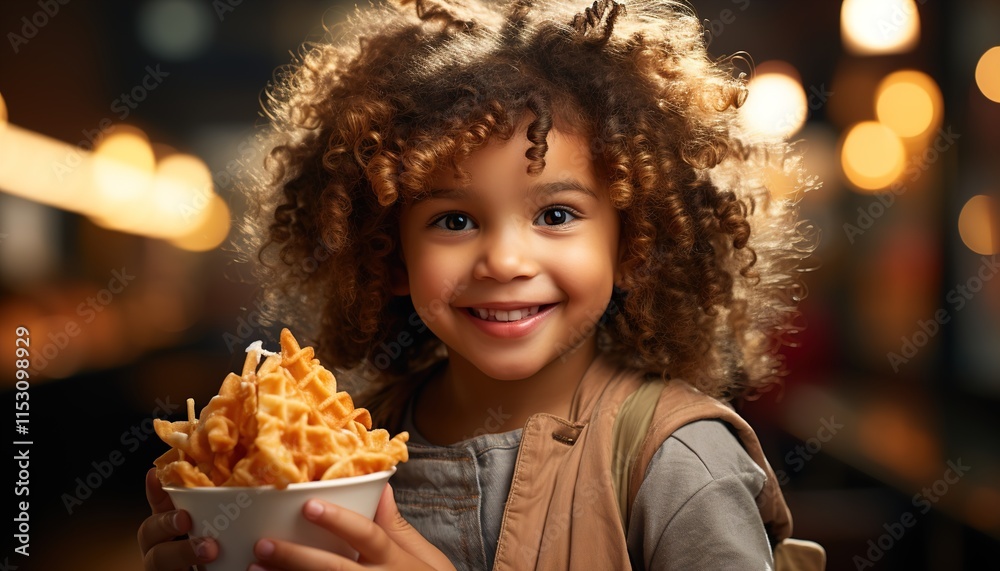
x=502 y=370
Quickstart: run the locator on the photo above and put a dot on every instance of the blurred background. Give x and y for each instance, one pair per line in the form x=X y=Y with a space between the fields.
x=121 y=124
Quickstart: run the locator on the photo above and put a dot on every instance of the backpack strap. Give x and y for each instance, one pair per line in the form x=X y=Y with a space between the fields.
x=678 y=404
x=655 y=410
x=631 y=423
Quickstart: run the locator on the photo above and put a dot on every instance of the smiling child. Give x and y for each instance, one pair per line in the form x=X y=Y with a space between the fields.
x=537 y=222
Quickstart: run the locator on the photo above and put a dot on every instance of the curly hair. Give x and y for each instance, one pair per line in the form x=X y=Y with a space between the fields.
x=359 y=124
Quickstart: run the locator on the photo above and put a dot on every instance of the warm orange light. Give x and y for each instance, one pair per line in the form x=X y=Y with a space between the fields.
x=909 y=102
x=872 y=156
x=895 y=437
x=988 y=74
x=117 y=185
x=975 y=225
x=177 y=201
x=982 y=508
x=3 y=112
x=123 y=168
x=46 y=170
x=183 y=190
x=212 y=231
x=871 y=27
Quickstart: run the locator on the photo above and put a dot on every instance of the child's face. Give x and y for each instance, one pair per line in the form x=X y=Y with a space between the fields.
x=515 y=244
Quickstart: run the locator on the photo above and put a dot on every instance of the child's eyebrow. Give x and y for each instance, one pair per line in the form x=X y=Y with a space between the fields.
x=444 y=194
x=541 y=190
x=546 y=188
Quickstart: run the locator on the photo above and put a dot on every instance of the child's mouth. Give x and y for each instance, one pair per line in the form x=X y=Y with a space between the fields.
x=506 y=315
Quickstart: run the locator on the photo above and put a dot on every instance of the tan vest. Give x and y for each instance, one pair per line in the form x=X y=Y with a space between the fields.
x=562 y=511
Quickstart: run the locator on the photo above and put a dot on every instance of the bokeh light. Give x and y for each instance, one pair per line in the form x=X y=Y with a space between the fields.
x=3 y=112
x=46 y=170
x=176 y=29
x=776 y=106
x=212 y=231
x=123 y=167
x=870 y=27
x=183 y=188
x=909 y=102
x=975 y=225
x=175 y=204
x=872 y=156
x=988 y=74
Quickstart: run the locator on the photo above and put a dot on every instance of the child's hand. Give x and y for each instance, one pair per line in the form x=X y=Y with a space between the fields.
x=387 y=543
x=161 y=550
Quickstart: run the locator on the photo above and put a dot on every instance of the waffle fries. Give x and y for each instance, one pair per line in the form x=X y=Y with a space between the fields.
x=282 y=423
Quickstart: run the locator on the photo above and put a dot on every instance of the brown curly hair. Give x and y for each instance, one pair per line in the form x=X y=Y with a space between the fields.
x=359 y=124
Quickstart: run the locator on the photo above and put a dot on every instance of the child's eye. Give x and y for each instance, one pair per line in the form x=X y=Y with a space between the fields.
x=555 y=216
x=454 y=221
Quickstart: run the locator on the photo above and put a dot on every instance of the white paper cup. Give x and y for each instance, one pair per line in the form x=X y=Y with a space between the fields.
x=238 y=517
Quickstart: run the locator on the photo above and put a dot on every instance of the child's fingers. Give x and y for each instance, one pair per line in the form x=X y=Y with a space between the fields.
x=403 y=534
x=159 y=528
x=359 y=532
x=158 y=500
x=180 y=555
x=274 y=553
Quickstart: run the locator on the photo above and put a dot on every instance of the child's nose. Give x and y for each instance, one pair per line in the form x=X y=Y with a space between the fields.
x=506 y=256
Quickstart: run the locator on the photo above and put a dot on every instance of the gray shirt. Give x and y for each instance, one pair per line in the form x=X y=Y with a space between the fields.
x=694 y=510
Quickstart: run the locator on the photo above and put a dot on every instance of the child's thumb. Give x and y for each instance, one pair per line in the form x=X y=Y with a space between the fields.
x=399 y=530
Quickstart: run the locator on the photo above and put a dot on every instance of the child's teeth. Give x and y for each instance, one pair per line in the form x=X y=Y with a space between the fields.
x=502 y=315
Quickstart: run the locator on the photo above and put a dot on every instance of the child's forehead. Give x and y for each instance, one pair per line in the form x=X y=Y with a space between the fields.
x=501 y=167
